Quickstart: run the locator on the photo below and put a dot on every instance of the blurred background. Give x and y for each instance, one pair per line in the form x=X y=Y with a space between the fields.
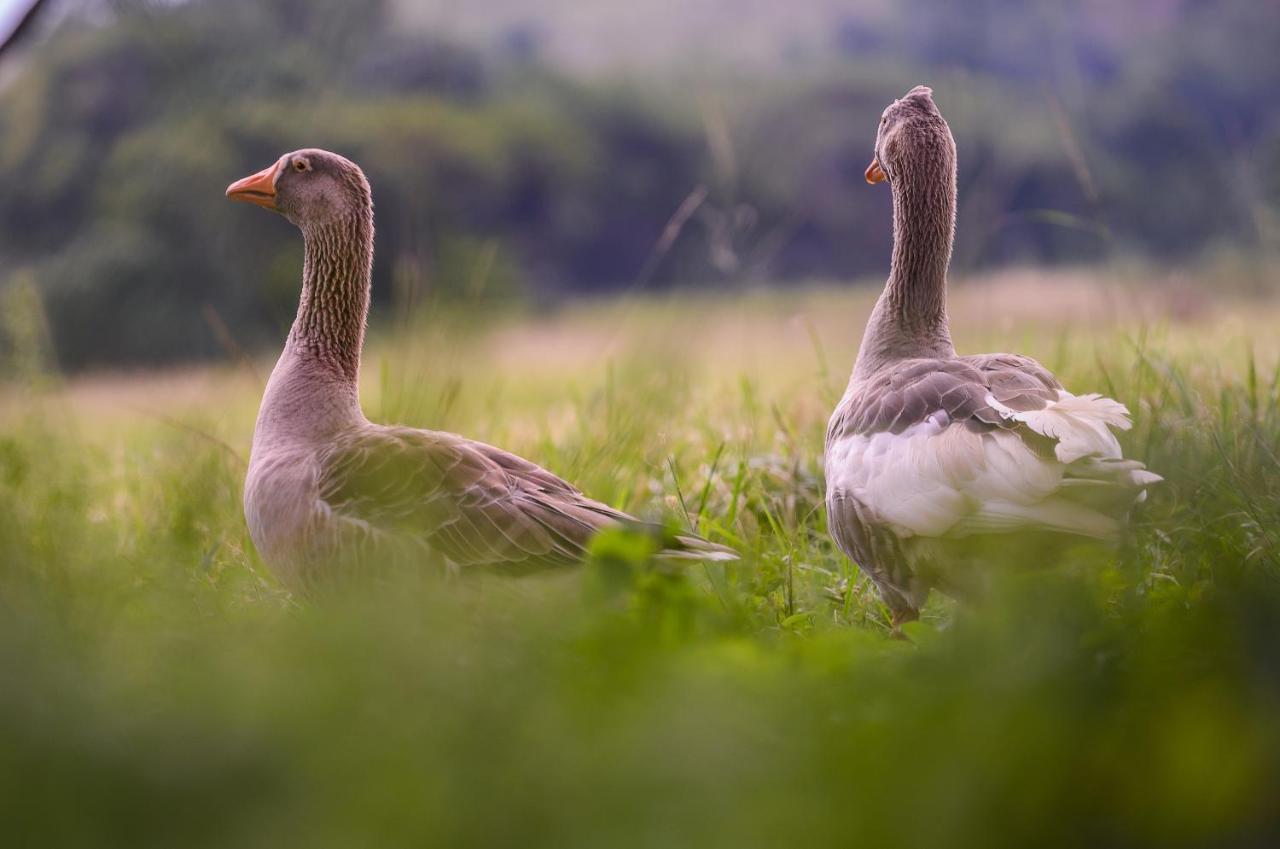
x=528 y=152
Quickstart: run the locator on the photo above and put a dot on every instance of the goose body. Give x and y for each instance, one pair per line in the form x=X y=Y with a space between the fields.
x=927 y=448
x=326 y=486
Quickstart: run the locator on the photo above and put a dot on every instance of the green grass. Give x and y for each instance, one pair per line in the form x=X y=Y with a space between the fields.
x=158 y=688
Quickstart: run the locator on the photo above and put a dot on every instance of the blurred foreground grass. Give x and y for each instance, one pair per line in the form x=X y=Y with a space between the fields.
x=158 y=689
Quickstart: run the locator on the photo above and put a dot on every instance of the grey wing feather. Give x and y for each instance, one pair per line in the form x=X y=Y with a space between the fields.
x=911 y=391
x=474 y=503
x=1018 y=382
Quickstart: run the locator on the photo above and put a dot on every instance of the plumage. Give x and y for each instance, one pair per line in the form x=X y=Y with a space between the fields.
x=927 y=448
x=327 y=489
x=471 y=502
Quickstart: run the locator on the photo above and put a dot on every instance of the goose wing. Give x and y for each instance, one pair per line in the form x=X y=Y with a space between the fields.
x=471 y=502
x=934 y=447
x=973 y=391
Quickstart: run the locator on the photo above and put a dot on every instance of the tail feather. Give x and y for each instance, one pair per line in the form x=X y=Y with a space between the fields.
x=690 y=547
x=1081 y=425
x=676 y=545
x=1097 y=486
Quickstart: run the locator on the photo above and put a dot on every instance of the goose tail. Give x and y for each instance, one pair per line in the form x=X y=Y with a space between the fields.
x=690 y=547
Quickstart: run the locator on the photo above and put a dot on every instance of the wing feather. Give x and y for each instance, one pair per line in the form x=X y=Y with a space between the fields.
x=474 y=503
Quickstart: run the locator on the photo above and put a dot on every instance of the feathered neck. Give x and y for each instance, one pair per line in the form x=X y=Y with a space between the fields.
x=910 y=319
x=334 y=306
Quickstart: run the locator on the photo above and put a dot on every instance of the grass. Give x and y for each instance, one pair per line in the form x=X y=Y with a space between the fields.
x=158 y=688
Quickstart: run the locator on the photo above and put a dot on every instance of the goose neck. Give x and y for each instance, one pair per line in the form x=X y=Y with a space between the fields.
x=910 y=319
x=924 y=203
x=334 y=306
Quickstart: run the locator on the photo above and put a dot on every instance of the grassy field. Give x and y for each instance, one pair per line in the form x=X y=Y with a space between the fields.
x=158 y=688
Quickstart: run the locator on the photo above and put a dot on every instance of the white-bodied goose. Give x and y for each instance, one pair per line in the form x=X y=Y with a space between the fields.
x=927 y=447
x=324 y=483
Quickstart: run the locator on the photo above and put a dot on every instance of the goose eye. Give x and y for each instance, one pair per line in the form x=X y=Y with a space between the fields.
x=301 y=165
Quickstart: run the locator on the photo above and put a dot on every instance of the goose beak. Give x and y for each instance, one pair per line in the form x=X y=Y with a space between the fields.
x=257 y=188
x=874 y=173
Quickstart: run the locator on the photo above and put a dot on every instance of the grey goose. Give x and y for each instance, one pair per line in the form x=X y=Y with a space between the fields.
x=326 y=485
x=927 y=447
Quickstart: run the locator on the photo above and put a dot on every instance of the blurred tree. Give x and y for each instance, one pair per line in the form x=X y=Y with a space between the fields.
x=1083 y=130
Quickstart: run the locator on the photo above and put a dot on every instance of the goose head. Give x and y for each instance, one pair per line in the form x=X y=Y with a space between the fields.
x=309 y=187
x=910 y=127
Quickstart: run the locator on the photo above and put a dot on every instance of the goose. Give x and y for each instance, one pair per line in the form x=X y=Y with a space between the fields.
x=927 y=448
x=325 y=484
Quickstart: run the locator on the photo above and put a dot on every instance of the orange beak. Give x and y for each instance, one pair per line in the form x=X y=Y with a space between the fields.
x=257 y=188
x=874 y=173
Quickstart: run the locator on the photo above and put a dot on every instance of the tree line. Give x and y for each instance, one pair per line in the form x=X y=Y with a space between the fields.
x=496 y=175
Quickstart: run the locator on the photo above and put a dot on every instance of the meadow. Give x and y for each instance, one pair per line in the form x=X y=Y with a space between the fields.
x=159 y=688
